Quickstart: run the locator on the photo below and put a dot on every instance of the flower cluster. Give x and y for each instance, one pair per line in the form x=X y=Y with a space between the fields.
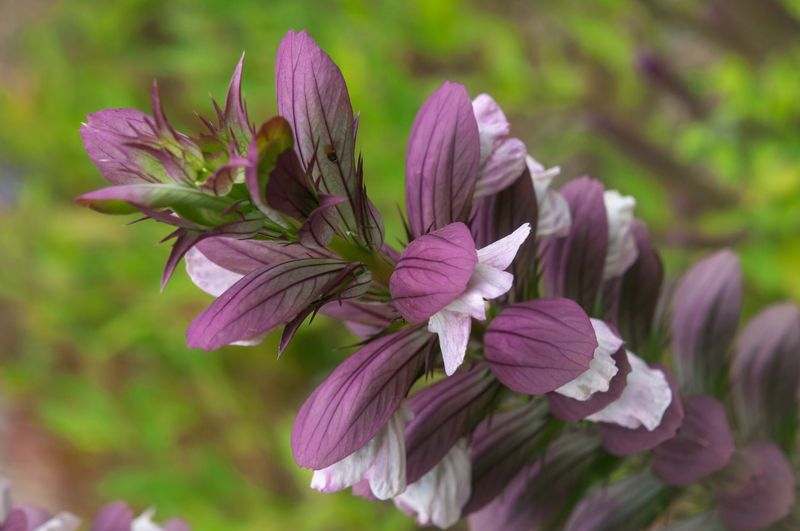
x=509 y=355
x=116 y=516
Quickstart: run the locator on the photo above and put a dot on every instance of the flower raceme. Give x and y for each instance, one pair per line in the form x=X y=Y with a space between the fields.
x=512 y=343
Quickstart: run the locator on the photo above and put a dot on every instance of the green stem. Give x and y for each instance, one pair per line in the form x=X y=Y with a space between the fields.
x=379 y=266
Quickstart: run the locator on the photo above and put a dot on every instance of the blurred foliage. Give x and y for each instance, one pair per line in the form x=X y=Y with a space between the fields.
x=690 y=106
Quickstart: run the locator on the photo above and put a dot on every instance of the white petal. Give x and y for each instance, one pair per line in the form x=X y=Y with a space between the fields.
x=208 y=276
x=554 y=216
x=387 y=473
x=453 y=329
x=643 y=401
x=438 y=497
x=541 y=177
x=622 y=250
x=144 y=522
x=554 y=219
x=471 y=303
x=602 y=368
x=61 y=522
x=251 y=342
x=492 y=123
x=501 y=253
x=502 y=167
x=349 y=470
x=490 y=282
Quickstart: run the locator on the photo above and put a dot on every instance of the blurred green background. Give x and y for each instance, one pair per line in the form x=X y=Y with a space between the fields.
x=691 y=106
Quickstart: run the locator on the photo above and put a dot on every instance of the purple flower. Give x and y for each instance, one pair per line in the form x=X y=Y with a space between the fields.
x=704 y=444
x=352 y=427
x=381 y=462
x=442 y=278
x=757 y=489
x=538 y=346
x=275 y=222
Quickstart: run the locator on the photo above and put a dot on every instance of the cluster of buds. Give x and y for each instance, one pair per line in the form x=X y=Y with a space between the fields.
x=115 y=516
x=508 y=362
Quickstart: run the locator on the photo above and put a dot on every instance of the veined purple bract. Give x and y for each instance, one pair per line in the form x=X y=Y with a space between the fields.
x=512 y=343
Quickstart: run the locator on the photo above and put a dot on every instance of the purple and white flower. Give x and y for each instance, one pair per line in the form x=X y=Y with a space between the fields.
x=442 y=279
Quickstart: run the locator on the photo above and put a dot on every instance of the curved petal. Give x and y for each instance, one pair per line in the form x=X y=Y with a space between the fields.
x=501 y=253
x=704 y=444
x=602 y=368
x=624 y=441
x=207 y=275
x=432 y=271
x=644 y=400
x=572 y=410
x=438 y=497
x=453 y=329
x=387 y=472
x=622 y=251
x=536 y=347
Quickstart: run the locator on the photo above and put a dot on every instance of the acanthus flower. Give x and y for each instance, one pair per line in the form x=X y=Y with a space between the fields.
x=443 y=279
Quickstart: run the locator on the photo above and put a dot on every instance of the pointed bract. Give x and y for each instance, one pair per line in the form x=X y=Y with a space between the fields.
x=442 y=160
x=765 y=375
x=270 y=297
x=501 y=446
x=631 y=300
x=705 y=314
x=313 y=97
x=245 y=256
x=499 y=215
x=443 y=413
x=573 y=266
x=354 y=403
